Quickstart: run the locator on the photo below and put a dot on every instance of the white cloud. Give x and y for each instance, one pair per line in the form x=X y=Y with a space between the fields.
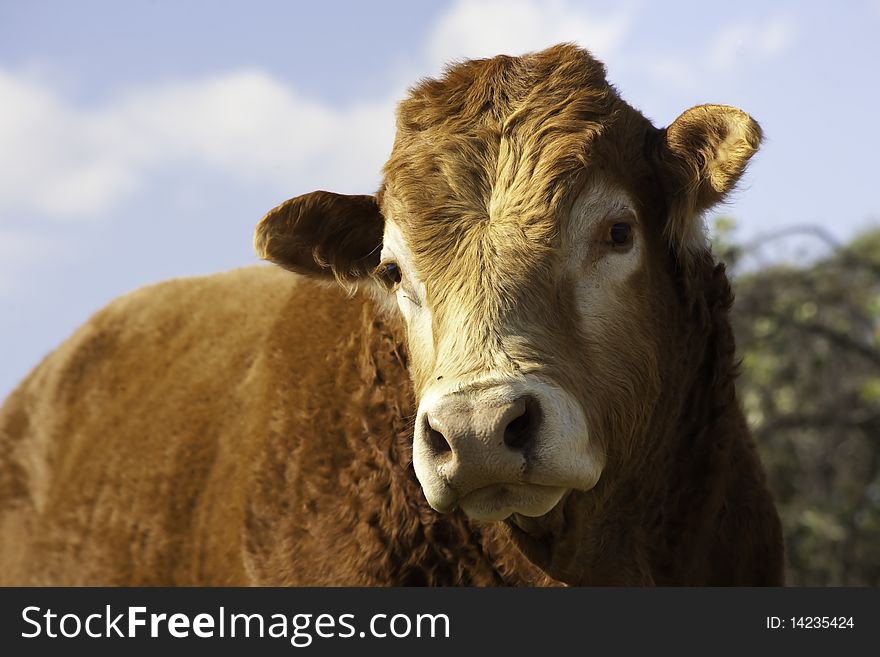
x=485 y=28
x=64 y=161
x=48 y=153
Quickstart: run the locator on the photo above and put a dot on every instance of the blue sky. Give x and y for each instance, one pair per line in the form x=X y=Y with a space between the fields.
x=143 y=140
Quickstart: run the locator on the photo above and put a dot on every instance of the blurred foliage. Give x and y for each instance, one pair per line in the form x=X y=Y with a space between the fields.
x=808 y=335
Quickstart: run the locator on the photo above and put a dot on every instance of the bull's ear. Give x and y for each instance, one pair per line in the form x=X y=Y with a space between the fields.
x=323 y=234
x=703 y=155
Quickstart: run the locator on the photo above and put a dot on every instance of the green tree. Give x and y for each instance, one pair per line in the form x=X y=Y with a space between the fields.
x=809 y=339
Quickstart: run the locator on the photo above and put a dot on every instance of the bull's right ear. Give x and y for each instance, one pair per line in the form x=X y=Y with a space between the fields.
x=323 y=234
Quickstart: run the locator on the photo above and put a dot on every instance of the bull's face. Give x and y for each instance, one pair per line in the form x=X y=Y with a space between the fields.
x=526 y=235
x=514 y=327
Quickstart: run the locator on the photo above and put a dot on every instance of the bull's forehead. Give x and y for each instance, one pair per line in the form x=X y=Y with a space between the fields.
x=488 y=158
x=478 y=258
x=493 y=250
x=494 y=301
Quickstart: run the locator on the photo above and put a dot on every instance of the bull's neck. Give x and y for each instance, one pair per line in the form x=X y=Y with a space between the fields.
x=677 y=487
x=699 y=411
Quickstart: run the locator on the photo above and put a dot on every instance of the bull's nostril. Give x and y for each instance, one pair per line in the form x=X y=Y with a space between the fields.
x=521 y=430
x=436 y=440
x=516 y=435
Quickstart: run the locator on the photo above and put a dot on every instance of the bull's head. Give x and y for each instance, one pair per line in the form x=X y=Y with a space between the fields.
x=527 y=230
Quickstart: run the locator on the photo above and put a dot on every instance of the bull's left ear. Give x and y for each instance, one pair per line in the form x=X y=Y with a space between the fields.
x=323 y=235
x=703 y=155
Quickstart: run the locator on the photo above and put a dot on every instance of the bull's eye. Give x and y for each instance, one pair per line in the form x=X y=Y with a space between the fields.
x=620 y=234
x=389 y=274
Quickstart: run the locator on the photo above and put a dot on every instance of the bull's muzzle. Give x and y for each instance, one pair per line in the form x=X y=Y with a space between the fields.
x=474 y=441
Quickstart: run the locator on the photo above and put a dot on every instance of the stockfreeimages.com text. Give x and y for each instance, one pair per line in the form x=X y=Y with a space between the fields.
x=301 y=629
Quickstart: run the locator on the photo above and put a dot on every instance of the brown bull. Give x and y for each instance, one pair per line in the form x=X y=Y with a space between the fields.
x=532 y=384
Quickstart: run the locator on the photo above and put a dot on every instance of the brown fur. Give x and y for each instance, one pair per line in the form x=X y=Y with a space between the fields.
x=256 y=428
x=227 y=470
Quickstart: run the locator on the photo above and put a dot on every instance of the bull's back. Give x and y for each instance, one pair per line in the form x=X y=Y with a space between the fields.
x=125 y=456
